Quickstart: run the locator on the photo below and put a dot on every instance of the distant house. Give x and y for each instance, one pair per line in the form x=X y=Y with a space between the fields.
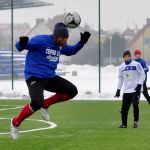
x=141 y=40
x=40 y=27
x=51 y=22
x=128 y=34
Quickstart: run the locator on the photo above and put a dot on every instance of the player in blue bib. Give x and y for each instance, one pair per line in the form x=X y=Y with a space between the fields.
x=137 y=57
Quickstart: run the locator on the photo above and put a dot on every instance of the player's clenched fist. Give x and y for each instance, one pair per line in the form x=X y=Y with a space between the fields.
x=23 y=40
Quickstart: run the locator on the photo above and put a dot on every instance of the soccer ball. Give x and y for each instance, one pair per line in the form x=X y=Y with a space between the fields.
x=72 y=19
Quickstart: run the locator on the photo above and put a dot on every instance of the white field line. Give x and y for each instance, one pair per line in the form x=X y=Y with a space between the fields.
x=51 y=124
x=11 y=108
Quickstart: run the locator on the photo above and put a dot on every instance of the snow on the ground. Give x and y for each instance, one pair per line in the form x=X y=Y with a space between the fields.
x=87 y=82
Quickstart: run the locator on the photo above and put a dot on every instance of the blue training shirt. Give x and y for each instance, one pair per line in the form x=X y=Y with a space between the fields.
x=43 y=55
x=144 y=66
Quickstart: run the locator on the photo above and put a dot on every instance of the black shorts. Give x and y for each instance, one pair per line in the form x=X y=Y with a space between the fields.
x=57 y=84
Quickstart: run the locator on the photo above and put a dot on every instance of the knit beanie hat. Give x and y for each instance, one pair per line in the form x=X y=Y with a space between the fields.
x=137 y=52
x=126 y=53
x=60 y=30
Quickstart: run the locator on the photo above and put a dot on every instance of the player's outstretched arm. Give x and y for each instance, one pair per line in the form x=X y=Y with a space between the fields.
x=25 y=44
x=85 y=37
x=141 y=74
x=145 y=66
x=22 y=43
x=73 y=49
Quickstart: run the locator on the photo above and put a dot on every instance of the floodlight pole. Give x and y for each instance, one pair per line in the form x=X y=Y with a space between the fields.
x=12 y=63
x=110 y=49
x=99 y=45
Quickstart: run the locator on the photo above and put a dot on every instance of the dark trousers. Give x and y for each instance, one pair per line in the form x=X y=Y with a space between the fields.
x=57 y=84
x=128 y=99
x=145 y=92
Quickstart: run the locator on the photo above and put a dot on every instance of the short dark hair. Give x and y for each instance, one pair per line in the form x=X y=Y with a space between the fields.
x=127 y=52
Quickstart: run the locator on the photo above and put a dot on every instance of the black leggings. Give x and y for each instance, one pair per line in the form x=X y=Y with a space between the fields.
x=57 y=84
x=145 y=92
x=128 y=99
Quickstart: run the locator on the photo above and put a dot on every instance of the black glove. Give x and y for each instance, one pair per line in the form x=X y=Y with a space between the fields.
x=138 y=88
x=117 y=93
x=85 y=36
x=23 y=40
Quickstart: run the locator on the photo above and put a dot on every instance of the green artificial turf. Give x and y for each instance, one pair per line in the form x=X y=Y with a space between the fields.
x=82 y=125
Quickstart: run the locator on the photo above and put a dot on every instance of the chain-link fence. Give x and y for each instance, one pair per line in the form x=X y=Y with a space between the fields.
x=40 y=17
x=123 y=25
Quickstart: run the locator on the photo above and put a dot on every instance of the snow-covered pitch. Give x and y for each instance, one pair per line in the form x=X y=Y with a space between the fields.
x=86 y=80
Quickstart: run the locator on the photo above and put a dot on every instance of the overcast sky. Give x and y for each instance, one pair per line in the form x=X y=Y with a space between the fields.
x=123 y=13
x=115 y=14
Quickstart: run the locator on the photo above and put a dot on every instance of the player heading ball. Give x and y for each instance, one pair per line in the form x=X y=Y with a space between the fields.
x=41 y=62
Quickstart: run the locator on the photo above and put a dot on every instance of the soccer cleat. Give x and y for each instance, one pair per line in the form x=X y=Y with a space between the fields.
x=135 y=125
x=123 y=126
x=45 y=114
x=14 y=131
